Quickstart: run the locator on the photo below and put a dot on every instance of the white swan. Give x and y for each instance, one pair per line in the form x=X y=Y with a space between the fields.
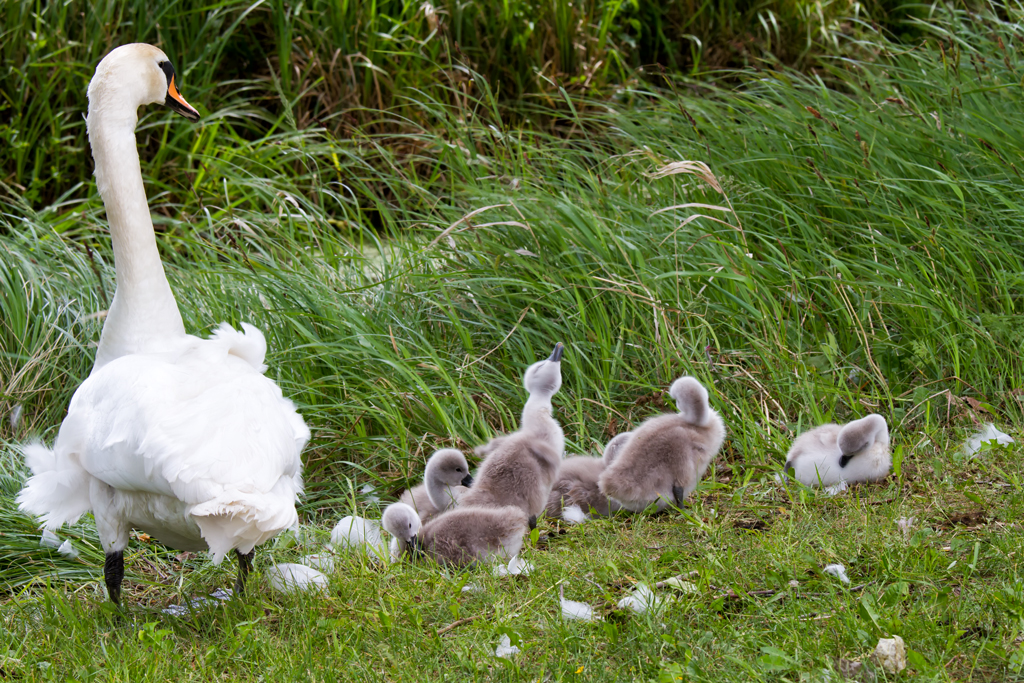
x=180 y=437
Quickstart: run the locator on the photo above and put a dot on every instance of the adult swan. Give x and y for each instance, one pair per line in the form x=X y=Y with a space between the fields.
x=180 y=437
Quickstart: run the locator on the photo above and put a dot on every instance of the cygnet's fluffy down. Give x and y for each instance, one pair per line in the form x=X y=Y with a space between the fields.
x=460 y=536
x=520 y=468
x=474 y=534
x=664 y=459
x=577 y=486
x=445 y=480
x=852 y=453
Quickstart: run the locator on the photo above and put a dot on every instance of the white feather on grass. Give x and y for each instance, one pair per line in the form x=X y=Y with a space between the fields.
x=48 y=539
x=836 y=489
x=641 y=600
x=290 y=578
x=515 y=567
x=505 y=647
x=987 y=433
x=838 y=571
x=573 y=514
x=321 y=561
x=576 y=611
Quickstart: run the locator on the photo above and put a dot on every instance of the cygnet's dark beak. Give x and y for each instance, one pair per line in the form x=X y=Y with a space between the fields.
x=467 y=480
x=556 y=355
x=417 y=549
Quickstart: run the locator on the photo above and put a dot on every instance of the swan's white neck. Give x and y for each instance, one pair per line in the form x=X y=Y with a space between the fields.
x=537 y=421
x=144 y=315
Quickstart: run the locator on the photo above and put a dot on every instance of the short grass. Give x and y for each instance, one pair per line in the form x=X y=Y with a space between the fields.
x=848 y=242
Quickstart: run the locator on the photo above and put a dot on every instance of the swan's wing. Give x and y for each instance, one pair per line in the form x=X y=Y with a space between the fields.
x=199 y=426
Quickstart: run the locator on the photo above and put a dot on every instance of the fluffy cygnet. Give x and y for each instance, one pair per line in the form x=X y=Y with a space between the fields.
x=401 y=521
x=460 y=536
x=667 y=455
x=445 y=481
x=474 y=534
x=575 y=493
x=855 y=452
x=521 y=467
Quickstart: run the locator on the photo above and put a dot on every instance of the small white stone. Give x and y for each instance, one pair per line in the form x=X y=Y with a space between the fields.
x=289 y=578
x=891 y=654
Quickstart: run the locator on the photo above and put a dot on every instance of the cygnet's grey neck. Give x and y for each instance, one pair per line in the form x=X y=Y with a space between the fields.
x=538 y=423
x=440 y=494
x=144 y=310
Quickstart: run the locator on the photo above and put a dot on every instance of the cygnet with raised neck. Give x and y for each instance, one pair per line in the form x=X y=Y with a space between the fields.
x=520 y=469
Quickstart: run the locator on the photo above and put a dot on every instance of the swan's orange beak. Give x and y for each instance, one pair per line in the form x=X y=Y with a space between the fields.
x=176 y=102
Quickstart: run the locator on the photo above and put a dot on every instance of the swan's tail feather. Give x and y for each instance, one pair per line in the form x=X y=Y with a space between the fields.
x=58 y=490
x=243 y=520
x=250 y=345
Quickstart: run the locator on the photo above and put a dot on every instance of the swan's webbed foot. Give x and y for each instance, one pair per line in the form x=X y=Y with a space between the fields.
x=244 y=567
x=113 y=575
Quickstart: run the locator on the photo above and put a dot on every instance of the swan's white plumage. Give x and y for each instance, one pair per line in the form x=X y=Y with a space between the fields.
x=178 y=436
x=194 y=441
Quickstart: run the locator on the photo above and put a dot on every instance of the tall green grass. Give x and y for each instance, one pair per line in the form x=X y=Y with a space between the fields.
x=334 y=63
x=852 y=248
x=811 y=246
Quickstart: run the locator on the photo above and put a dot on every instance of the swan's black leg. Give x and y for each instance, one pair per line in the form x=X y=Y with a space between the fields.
x=244 y=567
x=113 y=575
x=679 y=493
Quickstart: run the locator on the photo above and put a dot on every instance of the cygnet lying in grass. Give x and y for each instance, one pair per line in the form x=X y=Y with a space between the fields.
x=852 y=453
x=575 y=494
x=461 y=536
x=445 y=481
x=664 y=459
x=521 y=467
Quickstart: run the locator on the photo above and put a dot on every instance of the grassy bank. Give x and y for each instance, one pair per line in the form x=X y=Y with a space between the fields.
x=808 y=252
